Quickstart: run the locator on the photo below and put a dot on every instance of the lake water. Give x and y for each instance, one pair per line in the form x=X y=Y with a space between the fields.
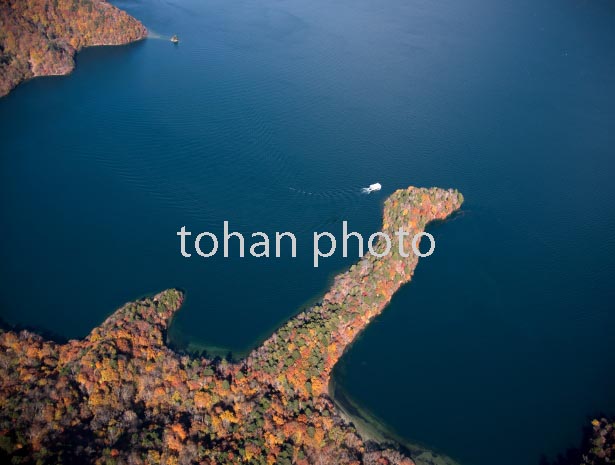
x=272 y=115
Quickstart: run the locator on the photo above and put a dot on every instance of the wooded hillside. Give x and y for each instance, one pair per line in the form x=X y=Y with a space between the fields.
x=40 y=37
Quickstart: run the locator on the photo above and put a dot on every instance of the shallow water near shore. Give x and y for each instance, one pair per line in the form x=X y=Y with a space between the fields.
x=273 y=116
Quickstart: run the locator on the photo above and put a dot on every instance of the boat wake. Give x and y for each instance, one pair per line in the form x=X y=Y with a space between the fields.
x=155 y=35
x=338 y=192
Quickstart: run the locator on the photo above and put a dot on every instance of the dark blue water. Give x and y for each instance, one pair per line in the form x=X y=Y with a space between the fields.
x=272 y=116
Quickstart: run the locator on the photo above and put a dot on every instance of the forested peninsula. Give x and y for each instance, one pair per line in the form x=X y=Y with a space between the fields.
x=122 y=396
x=41 y=37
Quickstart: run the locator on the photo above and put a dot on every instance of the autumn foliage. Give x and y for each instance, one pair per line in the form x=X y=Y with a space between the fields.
x=121 y=396
x=40 y=37
x=601 y=444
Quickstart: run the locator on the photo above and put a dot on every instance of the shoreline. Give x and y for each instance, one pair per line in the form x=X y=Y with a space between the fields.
x=72 y=68
x=33 y=51
x=195 y=347
x=273 y=406
x=372 y=429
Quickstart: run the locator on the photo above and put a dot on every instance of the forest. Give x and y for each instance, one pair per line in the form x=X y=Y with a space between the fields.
x=41 y=37
x=122 y=396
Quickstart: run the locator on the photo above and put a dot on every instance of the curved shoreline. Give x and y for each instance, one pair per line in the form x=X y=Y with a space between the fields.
x=369 y=427
x=33 y=48
x=372 y=429
x=196 y=347
x=122 y=384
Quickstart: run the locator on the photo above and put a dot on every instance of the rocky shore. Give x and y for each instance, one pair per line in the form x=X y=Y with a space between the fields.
x=122 y=396
x=41 y=37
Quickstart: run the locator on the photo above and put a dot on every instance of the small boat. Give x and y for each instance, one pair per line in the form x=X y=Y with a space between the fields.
x=175 y=39
x=372 y=187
